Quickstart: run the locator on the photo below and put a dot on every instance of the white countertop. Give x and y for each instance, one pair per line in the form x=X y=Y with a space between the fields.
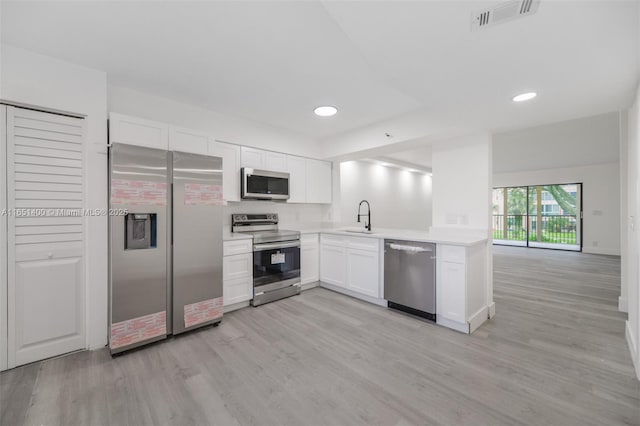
x=233 y=236
x=458 y=237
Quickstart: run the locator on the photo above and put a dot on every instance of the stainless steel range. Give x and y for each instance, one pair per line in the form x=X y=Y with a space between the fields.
x=276 y=256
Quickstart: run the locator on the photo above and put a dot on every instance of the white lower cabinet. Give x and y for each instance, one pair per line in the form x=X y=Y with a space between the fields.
x=450 y=303
x=333 y=264
x=461 y=287
x=237 y=272
x=352 y=263
x=309 y=259
x=362 y=272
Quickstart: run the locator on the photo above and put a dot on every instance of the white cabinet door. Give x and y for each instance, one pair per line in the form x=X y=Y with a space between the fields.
x=264 y=160
x=363 y=275
x=309 y=259
x=49 y=308
x=237 y=266
x=297 y=179
x=231 y=168
x=318 y=183
x=450 y=291
x=242 y=246
x=237 y=290
x=237 y=278
x=3 y=241
x=275 y=161
x=186 y=140
x=138 y=131
x=252 y=158
x=333 y=265
x=46 y=285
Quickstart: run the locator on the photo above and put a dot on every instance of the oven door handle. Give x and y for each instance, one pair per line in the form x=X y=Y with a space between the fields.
x=275 y=246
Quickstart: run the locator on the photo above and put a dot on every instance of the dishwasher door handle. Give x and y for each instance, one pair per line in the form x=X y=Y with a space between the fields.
x=412 y=249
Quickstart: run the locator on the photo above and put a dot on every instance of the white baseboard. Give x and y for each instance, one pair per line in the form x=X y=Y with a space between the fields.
x=492 y=310
x=454 y=325
x=477 y=319
x=633 y=348
x=338 y=289
x=601 y=250
x=308 y=286
x=623 y=304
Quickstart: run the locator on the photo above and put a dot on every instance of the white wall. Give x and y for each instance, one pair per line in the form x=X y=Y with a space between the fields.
x=398 y=198
x=600 y=200
x=624 y=235
x=633 y=236
x=580 y=142
x=291 y=216
x=41 y=81
x=222 y=126
x=462 y=183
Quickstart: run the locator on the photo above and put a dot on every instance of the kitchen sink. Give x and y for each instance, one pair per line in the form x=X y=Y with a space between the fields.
x=359 y=231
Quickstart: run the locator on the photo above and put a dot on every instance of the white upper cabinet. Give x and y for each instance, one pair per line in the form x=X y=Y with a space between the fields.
x=252 y=158
x=137 y=131
x=309 y=182
x=275 y=161
x=318 y=181
x=297 y=179
x=264 y=160
x=187 y=140
x=230 y=168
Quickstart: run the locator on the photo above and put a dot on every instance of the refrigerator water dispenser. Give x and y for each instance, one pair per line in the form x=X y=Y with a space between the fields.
x=140 y=231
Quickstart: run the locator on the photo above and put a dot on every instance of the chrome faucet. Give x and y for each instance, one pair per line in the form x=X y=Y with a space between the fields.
x=368 y=225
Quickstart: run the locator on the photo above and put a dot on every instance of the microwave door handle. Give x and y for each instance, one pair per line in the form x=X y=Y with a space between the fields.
x=274 y=246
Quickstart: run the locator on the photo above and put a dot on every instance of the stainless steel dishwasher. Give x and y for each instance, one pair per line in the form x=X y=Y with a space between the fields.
x=410 y=277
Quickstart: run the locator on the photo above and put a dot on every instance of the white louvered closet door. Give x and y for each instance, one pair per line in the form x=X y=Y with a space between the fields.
x=46 y=285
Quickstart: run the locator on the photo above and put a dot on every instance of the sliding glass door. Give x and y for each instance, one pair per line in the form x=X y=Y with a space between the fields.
x=545 y=216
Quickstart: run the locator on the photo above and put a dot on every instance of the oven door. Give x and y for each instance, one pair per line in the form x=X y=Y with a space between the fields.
x=275 y=265
x=264 y=185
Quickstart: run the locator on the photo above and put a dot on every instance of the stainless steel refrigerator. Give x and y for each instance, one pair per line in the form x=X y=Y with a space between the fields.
x=165 y=244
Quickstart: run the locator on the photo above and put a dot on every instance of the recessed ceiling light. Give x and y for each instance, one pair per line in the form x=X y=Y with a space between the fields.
x=524 y=96
x=325 y=111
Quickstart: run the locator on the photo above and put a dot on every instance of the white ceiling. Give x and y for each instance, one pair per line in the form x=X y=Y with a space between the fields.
x=273 y=62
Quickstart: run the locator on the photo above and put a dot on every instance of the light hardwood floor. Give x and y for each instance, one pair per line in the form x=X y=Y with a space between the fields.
x=554 y=354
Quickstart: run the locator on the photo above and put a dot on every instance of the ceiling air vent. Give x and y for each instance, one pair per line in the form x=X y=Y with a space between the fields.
x=503 y=12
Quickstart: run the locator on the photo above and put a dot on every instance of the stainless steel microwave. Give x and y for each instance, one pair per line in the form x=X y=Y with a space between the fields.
x=264 y=185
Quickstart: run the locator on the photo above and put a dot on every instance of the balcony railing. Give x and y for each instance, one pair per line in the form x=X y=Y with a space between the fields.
x=555 y=229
